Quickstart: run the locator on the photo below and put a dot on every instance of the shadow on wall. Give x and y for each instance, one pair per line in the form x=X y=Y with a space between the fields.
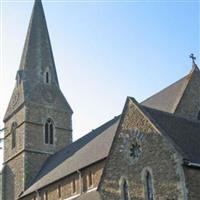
x=8 y=186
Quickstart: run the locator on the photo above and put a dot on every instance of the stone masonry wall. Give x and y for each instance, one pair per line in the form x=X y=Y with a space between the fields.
x=21 y=167
x=13 y=183
x=13 y=173
x=33 y=163
x=36 y=117
x=65 y=184
x=192 y=177
x=37 y=151
x=19 y=118
x=157 y=156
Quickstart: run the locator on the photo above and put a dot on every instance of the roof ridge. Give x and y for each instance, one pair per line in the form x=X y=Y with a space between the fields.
x=165 y=88
x=171 y=114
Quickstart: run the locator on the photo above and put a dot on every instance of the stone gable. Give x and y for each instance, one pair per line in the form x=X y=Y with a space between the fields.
x=157 y=155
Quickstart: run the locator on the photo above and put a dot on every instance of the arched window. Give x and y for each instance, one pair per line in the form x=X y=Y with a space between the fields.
x=149 y=186
x=124 y=189
x=49 y=132
x=13 y=134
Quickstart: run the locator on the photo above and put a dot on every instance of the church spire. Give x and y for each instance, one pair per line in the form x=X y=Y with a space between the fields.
x=37 y=58
x=36 y=79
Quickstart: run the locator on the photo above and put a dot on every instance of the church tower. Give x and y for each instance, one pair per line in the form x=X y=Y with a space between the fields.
x=38 y=119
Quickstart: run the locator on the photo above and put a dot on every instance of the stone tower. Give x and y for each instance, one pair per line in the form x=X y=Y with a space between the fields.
x=38 y=119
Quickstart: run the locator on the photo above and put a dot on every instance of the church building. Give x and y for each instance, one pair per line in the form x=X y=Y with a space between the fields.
x=151 y=151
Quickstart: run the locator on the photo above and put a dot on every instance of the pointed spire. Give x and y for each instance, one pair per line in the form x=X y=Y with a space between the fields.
x=37 y=57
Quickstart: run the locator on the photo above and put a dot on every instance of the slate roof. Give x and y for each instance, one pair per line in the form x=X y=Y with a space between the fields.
x=168 y=98
x=89 y=149
x=184 y=133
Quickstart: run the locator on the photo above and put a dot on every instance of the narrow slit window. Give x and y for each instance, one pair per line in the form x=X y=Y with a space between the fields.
x=74 y=186
x=13 y=134
x=90 y=179
x=59 y=191
x=125 y=192
x=46 y=195
x=46 y=133
x=149 y=185
x=47 y=77
x=51 y=133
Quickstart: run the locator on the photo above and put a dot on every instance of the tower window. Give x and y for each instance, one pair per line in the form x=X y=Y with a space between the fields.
x=13 y=134
x=149 y=186
x=47 y=77
x=198 y=117
x=49 y=132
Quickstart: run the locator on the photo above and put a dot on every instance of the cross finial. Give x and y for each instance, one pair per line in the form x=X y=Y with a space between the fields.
x=193 y=57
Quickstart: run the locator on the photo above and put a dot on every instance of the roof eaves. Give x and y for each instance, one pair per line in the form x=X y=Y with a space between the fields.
x=192 y=164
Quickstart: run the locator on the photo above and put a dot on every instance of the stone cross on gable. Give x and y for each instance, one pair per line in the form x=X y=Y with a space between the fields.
x=192 y=57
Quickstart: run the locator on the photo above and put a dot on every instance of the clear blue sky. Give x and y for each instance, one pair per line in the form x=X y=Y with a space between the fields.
x=105 y=51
